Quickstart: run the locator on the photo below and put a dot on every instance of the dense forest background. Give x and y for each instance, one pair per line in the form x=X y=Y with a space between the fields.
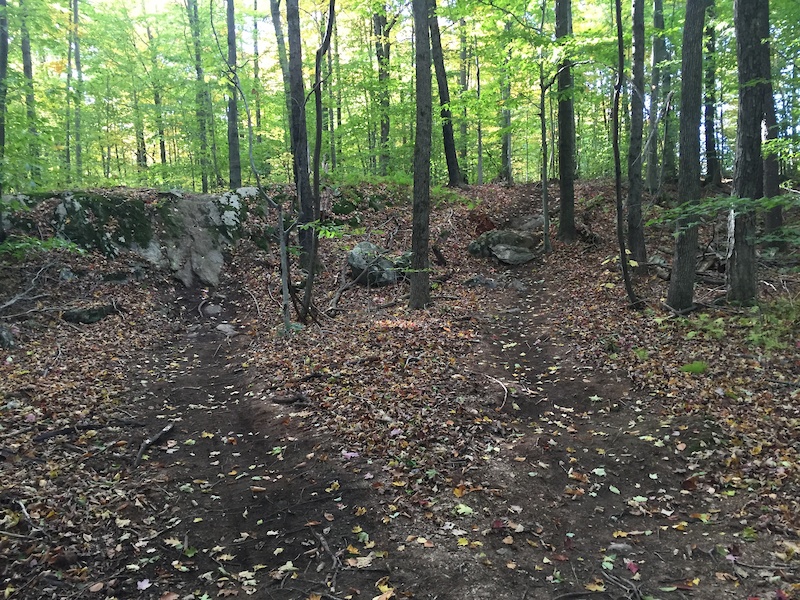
x=109 y=92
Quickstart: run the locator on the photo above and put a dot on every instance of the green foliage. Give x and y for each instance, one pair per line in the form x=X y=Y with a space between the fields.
x=22 y=246
x=773 y=326
x=704 y=325
x=696 y=367
x=711 y=208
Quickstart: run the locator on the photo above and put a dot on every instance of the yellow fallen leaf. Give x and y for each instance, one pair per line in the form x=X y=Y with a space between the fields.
x=596 y=586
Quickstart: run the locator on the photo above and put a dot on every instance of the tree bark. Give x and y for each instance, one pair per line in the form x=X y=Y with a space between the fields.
x=636 y=240
x=419 y=276
x=751 y=23
x=138 y=129
x=680 y=295
x=505 y=119
x=201 y=115
x=713 y=172
x=463 y=82
x=455 y=179
x=653 y=173
x=283 y=60
x=34 y=170
x=234 y=157
x=615 y=127
x=382 y=28
x=76 y=40
x=256 y=73
x=773 y=219
x=3 y=94
x=566 y=128
x=297 y=123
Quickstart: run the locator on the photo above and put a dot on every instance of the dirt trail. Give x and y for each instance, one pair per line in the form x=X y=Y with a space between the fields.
x=580 y=487
x=466 y=451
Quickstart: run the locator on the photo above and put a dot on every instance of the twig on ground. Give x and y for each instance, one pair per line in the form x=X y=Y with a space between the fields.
x=255 y=301
x=505 y=390
x=337 y=563
x=150 y=441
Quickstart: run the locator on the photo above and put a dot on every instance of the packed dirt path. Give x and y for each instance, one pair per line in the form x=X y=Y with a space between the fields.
x=467 y=451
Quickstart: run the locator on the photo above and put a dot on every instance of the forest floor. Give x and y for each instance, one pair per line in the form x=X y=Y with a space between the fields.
x=529 y=436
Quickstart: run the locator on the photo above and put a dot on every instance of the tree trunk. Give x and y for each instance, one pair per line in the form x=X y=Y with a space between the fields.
x=382 y=28
x=256 y=73
x=30 y=97
x=68 y=113
x=455 y=179
x=234 y=157
x=201 y=115
x=419 y=276
x=684 y=264
x=157 y=100
x=299 y=132
x=653 y=177
x=773 y=219
x=76 y=40
x=566 y=128
x=463 y=82
x=138 y=129
x=751 y=22
x=505 y=119
x=3 y=96
x=283 y=60
x=543 y=87
x=479 y=167
x=615 y=127
x=636 y=240
x=713 y=172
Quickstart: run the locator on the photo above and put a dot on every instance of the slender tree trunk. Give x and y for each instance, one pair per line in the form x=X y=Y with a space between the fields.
x=212 y=129
x=3 y=97
x=320 y=55
x=751 y=22
x=157 y=100
x=543 y=130
x=234 y=157
x=773 y=219
x=566 y=128
x=713 y=172
x=138 y=126
x=68 y=113
x=636 y=240
x=684 y=264
x=463 y=82
x=34 y=170
x=480 y=125
x=299 y=132
x=455 y=179
x=283 y=60
x=201 y=114
x=256 y=73
x=331 y=109
x=419 y=276
x=669 y=164
x=653 y=179
x=505 y=119
x=382 y=28
x=76 y=39
x=615 y=127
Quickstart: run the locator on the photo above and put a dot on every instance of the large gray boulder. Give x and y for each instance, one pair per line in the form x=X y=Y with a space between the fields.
x=507 y=246
x=369 y=265
x=186 y=234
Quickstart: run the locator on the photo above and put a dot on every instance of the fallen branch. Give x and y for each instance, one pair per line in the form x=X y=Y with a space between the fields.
x=150 y=441
x=505 y=390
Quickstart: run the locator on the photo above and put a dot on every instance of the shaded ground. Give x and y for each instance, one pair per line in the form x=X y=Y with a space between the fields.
x=485 y=448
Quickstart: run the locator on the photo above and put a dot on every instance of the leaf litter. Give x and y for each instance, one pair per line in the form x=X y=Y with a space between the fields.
x=537 y=436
